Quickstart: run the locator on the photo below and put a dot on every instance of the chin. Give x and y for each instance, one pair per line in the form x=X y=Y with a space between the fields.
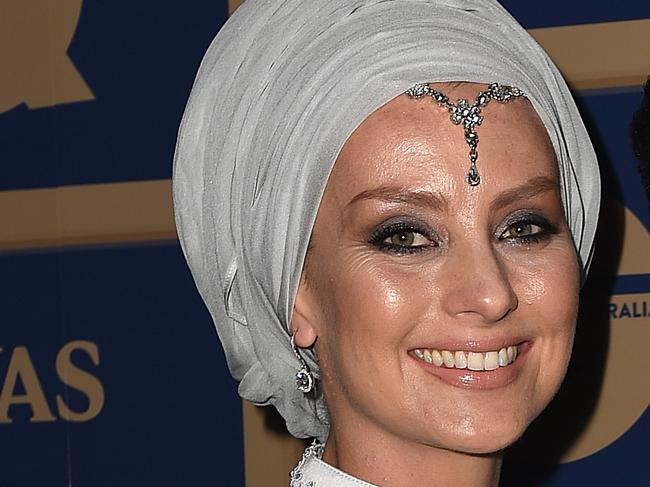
x=486 y=438
x=482 y=445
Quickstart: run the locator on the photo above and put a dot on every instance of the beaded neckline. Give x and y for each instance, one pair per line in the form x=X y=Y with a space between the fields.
x=296 y=475
x=312 y=471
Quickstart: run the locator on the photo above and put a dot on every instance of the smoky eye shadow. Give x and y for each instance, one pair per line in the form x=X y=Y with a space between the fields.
x=396 y=225
x=528 y=217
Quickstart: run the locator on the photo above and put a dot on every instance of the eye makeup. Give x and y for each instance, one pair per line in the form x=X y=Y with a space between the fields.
x=526 y=227
x=403 y=235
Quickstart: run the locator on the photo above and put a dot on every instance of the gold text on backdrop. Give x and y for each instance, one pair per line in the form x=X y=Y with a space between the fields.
x=21 y=368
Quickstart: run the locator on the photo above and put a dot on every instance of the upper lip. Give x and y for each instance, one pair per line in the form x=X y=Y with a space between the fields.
x=486 y=345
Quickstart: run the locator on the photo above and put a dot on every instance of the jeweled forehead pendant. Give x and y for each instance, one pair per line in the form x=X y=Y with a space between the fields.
x=468 y=115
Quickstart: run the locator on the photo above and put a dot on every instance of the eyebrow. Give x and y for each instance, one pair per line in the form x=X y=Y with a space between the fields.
x=396 y=194
x=531 y=188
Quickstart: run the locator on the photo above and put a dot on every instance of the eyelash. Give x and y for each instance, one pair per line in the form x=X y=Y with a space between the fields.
x=389 y=229
x=546 y=229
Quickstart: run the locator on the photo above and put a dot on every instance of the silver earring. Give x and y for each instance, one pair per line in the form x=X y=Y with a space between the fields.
x=304 y=377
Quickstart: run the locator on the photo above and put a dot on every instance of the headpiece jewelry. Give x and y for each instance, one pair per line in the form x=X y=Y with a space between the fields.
x=304 y=377
x=469 y=116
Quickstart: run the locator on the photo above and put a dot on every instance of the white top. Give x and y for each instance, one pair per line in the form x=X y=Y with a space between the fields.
x=311 y=471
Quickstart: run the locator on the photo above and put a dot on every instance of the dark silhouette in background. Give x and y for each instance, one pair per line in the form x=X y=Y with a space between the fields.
x=640 y=130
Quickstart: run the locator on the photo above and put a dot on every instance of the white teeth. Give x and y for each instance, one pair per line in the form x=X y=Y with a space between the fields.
x=475 y=361
x=491 y=360
x=461 y=360
x=427 y=356
x=448 y=358
x=503 y=357
x=437 y=358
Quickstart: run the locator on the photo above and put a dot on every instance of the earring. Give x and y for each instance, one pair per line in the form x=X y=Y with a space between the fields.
x=304 y=377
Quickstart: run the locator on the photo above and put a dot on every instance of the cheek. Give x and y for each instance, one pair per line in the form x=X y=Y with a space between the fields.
x=551 y=295
x=372 y=301
x=548 y=298
x=548 y=284
x=372 y=307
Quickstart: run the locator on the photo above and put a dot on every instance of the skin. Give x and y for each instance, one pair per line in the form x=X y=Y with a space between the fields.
x=481 y=271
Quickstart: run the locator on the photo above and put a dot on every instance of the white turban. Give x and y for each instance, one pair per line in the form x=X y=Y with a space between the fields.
x=279 y=91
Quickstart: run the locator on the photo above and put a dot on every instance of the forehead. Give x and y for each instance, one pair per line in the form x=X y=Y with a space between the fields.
x=412 y=142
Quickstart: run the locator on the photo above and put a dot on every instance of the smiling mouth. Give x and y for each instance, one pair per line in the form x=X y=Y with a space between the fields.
x=461 y=359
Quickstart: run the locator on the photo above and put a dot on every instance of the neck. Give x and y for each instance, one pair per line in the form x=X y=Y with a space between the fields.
x=393 y=462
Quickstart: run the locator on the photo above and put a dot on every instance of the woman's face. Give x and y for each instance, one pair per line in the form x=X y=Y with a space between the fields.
x=409 y=266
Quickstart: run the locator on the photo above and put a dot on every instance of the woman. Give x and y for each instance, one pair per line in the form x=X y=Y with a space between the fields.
x=412 y=261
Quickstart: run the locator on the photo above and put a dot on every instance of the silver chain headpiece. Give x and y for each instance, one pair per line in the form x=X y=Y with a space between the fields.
x=468 y=115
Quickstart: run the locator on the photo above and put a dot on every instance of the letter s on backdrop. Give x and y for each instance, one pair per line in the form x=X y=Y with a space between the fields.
x=80 y=380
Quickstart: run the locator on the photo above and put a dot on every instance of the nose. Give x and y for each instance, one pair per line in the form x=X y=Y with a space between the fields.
x=478 y=284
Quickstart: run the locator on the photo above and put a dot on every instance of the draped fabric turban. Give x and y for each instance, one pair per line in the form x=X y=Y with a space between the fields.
x=280 y=89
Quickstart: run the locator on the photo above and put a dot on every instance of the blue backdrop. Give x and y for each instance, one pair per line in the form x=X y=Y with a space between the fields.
x=170 y=414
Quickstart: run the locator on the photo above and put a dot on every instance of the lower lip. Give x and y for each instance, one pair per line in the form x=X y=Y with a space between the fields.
x=479 y=379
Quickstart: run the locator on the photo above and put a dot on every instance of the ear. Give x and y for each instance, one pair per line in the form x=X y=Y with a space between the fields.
x=304 y=320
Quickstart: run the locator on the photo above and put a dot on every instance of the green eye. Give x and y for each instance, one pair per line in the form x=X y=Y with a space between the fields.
x=524 y=231
x=406 y=239
x=521 y=230
x=403 y=239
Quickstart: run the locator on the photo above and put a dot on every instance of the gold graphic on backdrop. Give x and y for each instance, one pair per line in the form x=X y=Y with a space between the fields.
x=625 y=391
x=34 y=64
x=233 y=5
x=22 y=388
x=21 y=369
